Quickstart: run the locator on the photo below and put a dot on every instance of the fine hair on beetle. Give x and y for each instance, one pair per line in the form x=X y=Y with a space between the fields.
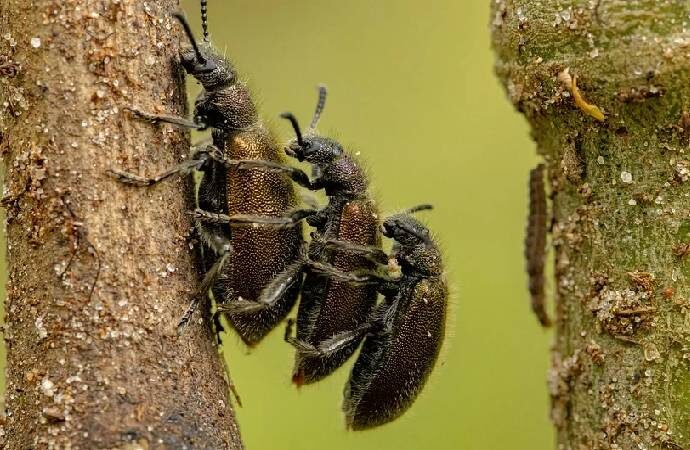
x=403 y=334
x=328 y=306
x=239 y=257
x=249 y=222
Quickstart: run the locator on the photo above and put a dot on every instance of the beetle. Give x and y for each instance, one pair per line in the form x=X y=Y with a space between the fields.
x=403 y=334
x=327 y=306
x=245 y=257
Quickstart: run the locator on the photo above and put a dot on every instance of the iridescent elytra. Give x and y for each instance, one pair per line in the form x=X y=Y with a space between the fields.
x=240 y=258
x=404 y=333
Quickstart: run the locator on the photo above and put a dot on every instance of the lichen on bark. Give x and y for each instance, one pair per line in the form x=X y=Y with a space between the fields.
x=100 y=273
x=620 y=192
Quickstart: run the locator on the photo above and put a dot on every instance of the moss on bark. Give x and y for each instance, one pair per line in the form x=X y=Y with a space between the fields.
x=620 y=193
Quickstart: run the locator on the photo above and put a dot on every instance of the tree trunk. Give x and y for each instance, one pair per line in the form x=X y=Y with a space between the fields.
x=100 y=273
x=620 y=195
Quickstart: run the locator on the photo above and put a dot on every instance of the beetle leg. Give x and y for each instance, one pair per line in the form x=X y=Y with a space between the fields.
x=288 y=221
x=208 y=281
x=354 y=277
x=209 y=217
x=333 y=344
x=329 y=346
x=270 y=294
x=164 y=118
x=136 y=180
x=373 y=254
x=218 y=328
x=297 y=175
x=301 y=346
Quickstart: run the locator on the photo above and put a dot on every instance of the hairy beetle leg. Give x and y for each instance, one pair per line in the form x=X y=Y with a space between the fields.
x=301 y=346
x=297 y=175
x=373 y=254
x=206 y=283
x=288 y=221
x=200 y=156
x=270 y=295
x=329 y=346
x=231 y=385
x=354 y=277
x=164 y=118
x=219 y=328
x=136 y=180
x=535 y=243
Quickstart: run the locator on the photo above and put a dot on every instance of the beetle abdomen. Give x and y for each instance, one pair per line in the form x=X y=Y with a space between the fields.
x=398 y=357
x=330 y=306
x=259 y=252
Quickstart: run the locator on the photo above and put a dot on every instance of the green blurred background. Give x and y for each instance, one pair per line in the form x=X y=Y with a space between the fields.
x=411 y=87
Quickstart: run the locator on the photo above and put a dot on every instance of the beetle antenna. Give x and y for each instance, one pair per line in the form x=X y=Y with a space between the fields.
x=422 y=207
x=204 y=19
x=190 y=35
x=319 y=107
x=295 y=126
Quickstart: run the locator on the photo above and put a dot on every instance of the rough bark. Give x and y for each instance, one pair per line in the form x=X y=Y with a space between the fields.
x=620 y=199
x=100 y=273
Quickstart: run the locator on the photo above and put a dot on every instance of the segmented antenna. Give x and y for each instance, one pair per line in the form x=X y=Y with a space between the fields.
x=319 y=107
x=204 y=19
x=295 y=126
x=190 y=35
x=422 y=207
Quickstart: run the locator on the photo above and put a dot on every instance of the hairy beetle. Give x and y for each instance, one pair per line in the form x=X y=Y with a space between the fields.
x=404 y=333
x=328 y=306
x=229 y=189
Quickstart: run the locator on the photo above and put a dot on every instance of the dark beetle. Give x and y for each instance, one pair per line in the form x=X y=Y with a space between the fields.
x=404 y=333
x=328 y=306
x=228 y=189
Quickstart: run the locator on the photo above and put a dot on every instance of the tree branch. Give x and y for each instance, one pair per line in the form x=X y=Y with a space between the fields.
x=100 y=273
x=619 y=187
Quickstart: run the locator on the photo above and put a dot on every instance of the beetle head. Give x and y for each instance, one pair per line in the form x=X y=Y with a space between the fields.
x=311 y=147
x=209 y=68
